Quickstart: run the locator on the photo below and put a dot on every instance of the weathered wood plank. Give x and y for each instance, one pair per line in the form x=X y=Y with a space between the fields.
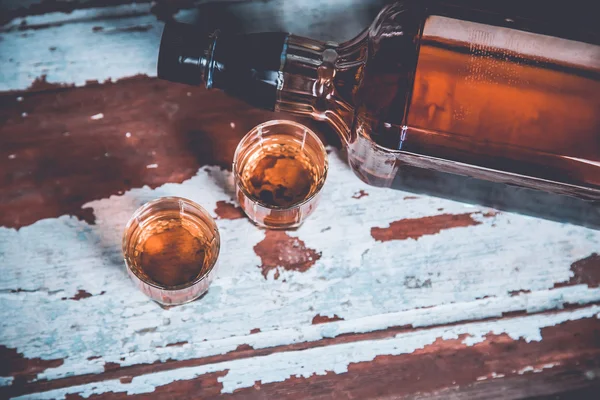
x=114 y=371
x=380 y=293
x=62 y=155
x=415 y=363
x=371 y=285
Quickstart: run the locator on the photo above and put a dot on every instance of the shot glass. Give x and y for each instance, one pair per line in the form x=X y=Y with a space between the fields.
x=279 y=170
x=171 y=246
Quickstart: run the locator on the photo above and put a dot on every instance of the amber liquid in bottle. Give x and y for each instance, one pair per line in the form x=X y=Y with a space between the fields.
x=494 y=98
x=171 y=250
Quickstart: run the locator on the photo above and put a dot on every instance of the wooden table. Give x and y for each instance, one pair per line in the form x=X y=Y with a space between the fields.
x=382 y=293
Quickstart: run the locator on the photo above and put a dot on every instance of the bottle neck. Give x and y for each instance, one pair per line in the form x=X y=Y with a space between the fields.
x=276 y=71
x=318 y=80
x=247 y=66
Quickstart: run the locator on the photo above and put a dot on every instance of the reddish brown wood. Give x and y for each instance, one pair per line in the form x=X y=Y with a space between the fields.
x=81 y=294
x=321 y=319
x=244 y=347
x=111 y=366
x=556 y=384
x=54 y=157
x=40 y=84
x=177 y=344
x=360 y=194
x=446 y=366
x=518 y=292
x=21 y=368
x=204 y=387
x=226 y=210
x=278 y=249
x=126 y=379
x=416 y=227
x=21 y=387
x=585 y=271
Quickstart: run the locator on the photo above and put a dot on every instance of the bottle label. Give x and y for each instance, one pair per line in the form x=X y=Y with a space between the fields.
x=480 y=38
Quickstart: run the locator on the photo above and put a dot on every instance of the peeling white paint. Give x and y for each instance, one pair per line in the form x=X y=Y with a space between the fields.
x=277 y=367
x=97 y=116
x=356 y=278
x=5 y=381
x=151 y=166
x=590 y=374
x=537 y=369
x=128 y=135
x=493 y=375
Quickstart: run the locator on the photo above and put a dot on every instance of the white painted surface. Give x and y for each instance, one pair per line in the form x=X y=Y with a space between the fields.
x=70 y=52
x=370 y=284
x=96 y=117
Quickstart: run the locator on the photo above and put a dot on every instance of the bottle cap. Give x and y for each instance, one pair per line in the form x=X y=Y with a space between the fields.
x=182 y=56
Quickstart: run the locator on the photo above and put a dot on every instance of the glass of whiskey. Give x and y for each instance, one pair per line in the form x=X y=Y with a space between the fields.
x=171 y=246
x=279 y=170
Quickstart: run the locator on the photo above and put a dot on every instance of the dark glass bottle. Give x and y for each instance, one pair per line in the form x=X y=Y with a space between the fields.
x=482 y=93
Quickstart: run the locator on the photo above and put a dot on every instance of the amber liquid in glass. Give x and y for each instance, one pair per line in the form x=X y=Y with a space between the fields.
x=171 y=250
x=279 y=174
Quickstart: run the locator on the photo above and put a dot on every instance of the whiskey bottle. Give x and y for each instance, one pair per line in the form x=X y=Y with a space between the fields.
x=485 y=93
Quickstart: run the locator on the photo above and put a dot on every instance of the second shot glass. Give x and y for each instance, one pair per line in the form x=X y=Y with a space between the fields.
x=279 y=169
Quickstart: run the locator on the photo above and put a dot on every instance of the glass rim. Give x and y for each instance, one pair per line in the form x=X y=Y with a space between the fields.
x=134 y=217
x=295 y=124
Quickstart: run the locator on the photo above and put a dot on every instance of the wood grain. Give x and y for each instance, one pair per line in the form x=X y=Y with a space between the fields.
x=585 y=271
x=23 y=369
x=453 y=301
x=443 y=367
x=279 y=250
x=55 y=156
x=415 y=228
x=434 y=281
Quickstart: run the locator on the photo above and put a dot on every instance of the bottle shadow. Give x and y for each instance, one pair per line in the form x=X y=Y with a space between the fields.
x=500 y=196
x=520 y=200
